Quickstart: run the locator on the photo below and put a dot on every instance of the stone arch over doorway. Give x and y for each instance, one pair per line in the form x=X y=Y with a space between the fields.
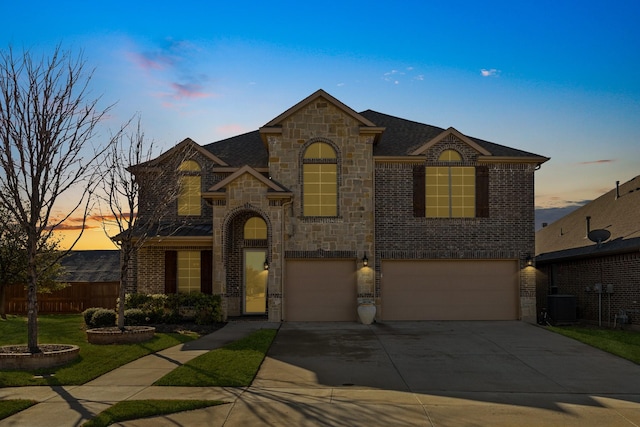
x=240 y=256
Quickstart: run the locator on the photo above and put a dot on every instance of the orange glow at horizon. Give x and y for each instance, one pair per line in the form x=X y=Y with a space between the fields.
x=91 y=239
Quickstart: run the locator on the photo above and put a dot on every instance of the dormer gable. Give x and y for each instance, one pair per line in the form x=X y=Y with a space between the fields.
x=446 y=134
x=275 y=126
x=188 y=146
x=273 y=189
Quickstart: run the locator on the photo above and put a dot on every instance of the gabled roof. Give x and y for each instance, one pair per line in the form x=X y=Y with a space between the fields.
x=567 y=237
x=312 y=98
x=270 y=184
x=394 y=137
x=92 y=266
x=404 y=137
x=451 y=131
x=186 y=144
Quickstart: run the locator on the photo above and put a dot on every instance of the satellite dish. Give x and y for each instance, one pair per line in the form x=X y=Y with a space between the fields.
x=599 y=236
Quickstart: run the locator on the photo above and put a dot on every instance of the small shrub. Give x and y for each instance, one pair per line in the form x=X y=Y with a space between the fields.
x=135 y=317
x=88 y=316
x=103 y=318
x=136 y=300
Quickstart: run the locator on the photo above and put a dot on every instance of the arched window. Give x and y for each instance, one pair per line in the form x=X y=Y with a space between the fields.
x=450 y=156
x=189 y=200
x=450 y=190
x=320 y=180
x=255 y=229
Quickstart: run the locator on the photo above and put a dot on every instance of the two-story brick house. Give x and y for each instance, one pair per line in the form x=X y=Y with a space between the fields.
x=324 y=208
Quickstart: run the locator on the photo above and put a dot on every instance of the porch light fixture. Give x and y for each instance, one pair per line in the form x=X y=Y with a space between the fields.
x=266 y=264
x=365 y=260
x=529 y=261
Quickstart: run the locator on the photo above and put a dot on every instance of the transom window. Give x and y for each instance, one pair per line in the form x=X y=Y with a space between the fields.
x=320 y=180
x=255 y=228
x=189 y=272
x=189 y=196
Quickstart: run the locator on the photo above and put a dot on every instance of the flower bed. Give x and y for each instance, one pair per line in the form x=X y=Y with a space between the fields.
x=114 y=335
x=18 y=356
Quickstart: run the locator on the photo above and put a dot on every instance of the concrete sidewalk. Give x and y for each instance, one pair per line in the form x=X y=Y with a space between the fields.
x=62 y=406
x=392 y=374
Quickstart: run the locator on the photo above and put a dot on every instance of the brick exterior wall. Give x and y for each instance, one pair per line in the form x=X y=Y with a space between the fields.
x=574 y=277
x=375 y=214
x=508 y=232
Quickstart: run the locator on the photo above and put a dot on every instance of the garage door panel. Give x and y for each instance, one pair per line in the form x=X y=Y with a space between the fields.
x=320 y=290
x=449 y=290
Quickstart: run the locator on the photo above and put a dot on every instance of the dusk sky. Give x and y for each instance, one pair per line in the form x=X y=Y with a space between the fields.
x=556 y=78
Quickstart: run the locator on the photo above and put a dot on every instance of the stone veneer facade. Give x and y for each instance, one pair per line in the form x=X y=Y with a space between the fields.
x=375 y=214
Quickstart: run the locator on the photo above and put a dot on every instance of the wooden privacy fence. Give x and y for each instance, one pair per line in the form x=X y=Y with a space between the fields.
x=73 y=299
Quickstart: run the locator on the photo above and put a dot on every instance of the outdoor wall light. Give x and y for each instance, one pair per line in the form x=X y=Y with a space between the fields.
x=266 y=264
x=365 y=260
x=529 y=261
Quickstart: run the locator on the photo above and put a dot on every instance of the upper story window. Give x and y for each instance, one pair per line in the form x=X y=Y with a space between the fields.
x=255 y=229
x=320 y=180
x=189 y=200
x=451 y=191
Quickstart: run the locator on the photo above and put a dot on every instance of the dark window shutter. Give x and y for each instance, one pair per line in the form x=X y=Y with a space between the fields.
x=419 y=191
x=170 y=272
x=482 y=191
x=206 y=272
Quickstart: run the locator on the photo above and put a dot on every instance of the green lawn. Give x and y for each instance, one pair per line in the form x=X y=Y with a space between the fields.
x=10 y=407
x=94 y=360
x=622 y=343
x=234 y=365
x=135 y=409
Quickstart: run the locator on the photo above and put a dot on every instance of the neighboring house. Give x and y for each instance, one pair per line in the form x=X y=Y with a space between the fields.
x=324 y=208
x=93 y=278
x=605 y=277
x=99 y=266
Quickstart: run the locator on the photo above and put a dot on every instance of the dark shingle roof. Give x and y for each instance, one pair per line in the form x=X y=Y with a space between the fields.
x=400 y=138
x=567 y=237
x=92 y=266
x=245 y=149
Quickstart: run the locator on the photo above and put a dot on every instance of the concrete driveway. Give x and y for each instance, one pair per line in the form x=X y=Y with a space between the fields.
x=437 y=374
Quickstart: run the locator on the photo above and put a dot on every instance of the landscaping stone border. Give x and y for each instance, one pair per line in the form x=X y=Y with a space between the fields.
x=113 y=335
x=18 y=357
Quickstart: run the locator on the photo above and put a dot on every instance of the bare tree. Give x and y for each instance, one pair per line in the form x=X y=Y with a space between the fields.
x=128 y=167
x=47 y=123
x=13 y=262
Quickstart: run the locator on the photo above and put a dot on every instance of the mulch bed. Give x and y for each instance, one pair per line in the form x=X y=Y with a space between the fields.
x=187 y=327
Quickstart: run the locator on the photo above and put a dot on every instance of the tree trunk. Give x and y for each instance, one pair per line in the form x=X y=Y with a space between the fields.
x=3 y=301
x=124 y=267
x=32 y=298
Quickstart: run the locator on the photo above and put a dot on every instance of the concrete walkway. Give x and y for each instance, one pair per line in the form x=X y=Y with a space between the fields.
x=73 y=405
x=392 y=374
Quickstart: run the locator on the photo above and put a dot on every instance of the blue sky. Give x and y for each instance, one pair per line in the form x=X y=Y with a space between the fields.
x=556 y=78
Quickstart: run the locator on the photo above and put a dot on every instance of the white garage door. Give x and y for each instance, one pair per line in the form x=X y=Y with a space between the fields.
x=320 y=290
x=450 y=290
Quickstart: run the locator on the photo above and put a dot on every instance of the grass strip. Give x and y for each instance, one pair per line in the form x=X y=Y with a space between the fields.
x=622 y=343
x=94 y=360
x=135 y=409
x=10 y=407
x=234 y=365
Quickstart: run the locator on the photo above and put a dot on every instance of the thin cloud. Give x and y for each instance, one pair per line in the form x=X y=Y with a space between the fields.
x=170 y=67
x=231 y=129
x=491 y=72
x=189 y=91
x=595 y=162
